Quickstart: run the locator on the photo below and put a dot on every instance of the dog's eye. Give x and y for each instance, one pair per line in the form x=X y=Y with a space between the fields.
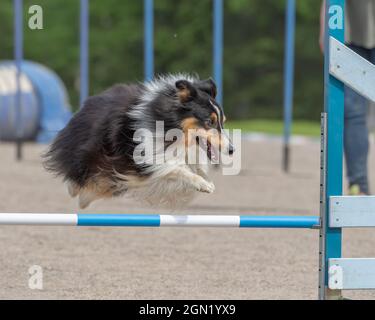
x=210 y=123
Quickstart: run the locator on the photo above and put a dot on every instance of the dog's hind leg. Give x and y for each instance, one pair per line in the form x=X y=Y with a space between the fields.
x=73 y=189
x=99 y=188
x=86 y=196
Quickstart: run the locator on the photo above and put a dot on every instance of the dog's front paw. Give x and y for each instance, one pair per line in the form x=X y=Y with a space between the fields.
x=209 y=187
x=205 y=186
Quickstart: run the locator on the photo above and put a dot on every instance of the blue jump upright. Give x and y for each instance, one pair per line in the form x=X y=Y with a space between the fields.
x=332 y=166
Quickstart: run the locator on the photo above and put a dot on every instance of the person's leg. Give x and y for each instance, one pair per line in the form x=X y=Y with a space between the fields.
x=356 y=144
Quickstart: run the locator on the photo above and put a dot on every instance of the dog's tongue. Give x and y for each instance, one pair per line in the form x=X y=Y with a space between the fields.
x=214 y=154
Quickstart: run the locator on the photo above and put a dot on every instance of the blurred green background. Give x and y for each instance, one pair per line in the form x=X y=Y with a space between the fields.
x=253 y=52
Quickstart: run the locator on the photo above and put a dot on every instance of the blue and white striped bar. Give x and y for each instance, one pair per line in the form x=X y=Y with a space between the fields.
x=155 y=220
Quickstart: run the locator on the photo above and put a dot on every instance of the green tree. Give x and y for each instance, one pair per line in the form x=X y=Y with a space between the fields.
x=253 y=52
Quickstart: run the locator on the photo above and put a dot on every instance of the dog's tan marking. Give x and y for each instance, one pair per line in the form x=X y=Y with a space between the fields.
x=183 y=94
x=189 y=123
x=213 y=118
x=189 y=126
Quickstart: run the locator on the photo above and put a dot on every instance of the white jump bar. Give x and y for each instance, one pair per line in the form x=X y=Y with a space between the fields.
x=352 y=211
x=38 y=219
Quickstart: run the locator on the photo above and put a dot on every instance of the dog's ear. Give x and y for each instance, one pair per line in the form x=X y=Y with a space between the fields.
x=185 y=90
x=208 y=86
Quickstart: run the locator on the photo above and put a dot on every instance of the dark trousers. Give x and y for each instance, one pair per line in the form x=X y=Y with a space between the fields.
x=356 y=140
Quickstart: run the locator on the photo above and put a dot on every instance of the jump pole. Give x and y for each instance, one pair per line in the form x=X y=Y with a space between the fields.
x=217 y=54
x=290 y=25
x=155 y=220
x=84 y=51
x=148 y=12
x=18 y=57
x=217 y=46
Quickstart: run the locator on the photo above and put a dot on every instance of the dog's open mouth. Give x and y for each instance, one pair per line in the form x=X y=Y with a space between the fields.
x=212 y=153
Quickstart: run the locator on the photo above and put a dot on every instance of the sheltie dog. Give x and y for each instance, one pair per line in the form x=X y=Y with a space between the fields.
x=96 y=153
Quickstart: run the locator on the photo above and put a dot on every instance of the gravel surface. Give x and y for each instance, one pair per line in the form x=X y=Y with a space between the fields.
x=174 y=263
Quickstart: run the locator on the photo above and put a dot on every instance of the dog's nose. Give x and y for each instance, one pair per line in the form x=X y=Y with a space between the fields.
x=231 y=149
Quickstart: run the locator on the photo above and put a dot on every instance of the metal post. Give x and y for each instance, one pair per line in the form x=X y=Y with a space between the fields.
x=323 y=204
x=218 y=48
x=290 y=23
x=84 y=52
x=334 y=107
x=18 y=57
x=148 y=39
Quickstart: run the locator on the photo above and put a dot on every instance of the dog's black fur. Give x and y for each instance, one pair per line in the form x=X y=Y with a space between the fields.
x=98 y=140
x=101 y=130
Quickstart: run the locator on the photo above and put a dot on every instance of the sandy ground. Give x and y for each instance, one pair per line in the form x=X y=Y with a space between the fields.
x=141 y=263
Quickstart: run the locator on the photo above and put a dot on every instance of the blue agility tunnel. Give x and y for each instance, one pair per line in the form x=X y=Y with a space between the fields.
x=45 y=107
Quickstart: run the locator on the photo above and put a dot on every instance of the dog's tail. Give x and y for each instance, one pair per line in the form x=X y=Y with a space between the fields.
x=55 y=158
